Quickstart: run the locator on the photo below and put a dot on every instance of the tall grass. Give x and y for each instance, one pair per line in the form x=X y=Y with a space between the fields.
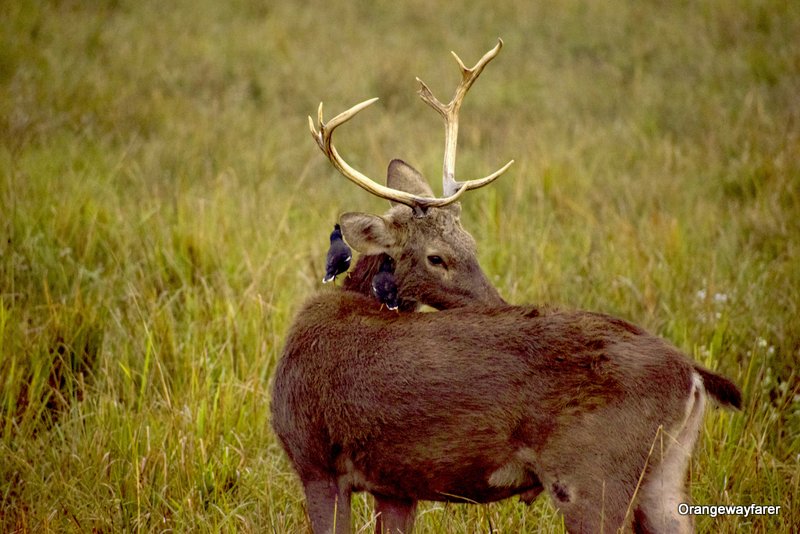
x=164 y=213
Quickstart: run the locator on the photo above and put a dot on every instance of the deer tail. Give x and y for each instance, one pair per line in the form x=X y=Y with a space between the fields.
x=720 y=388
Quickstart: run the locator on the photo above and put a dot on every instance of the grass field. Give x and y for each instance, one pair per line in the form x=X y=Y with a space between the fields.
x=164 y=212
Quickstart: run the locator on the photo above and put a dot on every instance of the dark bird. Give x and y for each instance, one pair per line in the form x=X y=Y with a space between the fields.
x=339 y=256
x=384 y=285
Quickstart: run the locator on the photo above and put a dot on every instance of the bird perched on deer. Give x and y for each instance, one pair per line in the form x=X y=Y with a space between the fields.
x=338 y=258
x=384 y=285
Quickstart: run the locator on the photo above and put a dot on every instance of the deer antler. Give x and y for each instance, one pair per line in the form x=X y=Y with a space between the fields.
x=450 y=114
x=323 y=138
x=452 y=189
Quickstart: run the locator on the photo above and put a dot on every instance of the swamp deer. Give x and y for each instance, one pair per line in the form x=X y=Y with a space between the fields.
x=481 y=400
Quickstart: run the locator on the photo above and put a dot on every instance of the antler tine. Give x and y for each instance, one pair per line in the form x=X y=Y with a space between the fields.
x=323 y=137
x=450 y=114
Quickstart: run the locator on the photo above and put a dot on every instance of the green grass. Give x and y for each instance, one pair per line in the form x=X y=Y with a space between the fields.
x=164 y=212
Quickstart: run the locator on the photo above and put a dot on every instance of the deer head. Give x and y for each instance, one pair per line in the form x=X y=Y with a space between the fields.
x=436 y=259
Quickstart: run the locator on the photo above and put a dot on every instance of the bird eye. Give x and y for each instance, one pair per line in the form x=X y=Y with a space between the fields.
x=435 y=260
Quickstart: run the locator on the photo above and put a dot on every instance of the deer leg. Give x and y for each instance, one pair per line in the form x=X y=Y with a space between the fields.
x=592 y=492
x=664 y=487
x=394 y=515
x=585 y=515
x=328 y=506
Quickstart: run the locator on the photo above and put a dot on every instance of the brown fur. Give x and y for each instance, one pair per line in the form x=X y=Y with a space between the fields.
x=474 y=404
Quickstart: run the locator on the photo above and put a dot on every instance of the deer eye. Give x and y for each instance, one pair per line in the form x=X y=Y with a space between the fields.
x=436 y=260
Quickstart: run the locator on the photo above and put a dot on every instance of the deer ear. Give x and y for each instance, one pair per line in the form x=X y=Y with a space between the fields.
x=368 y=234
x=406 y=178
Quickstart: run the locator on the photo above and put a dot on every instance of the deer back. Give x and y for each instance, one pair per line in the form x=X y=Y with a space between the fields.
x=426 y=402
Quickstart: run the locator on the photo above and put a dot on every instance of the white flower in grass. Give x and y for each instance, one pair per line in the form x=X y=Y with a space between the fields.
x=701 y=294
